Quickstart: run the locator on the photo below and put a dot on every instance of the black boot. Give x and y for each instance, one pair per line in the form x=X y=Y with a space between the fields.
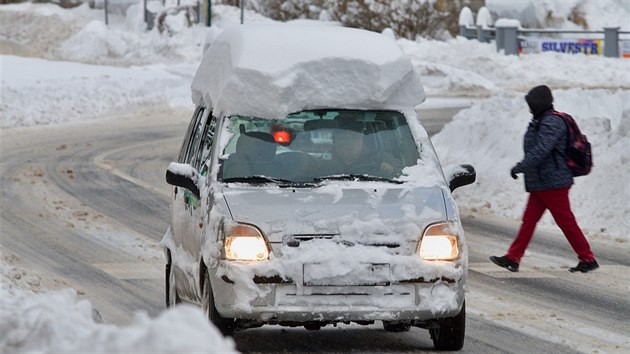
x=505 y=262
x=584 y=267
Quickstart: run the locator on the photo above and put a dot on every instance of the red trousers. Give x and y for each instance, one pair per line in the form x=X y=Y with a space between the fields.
x=557 y=201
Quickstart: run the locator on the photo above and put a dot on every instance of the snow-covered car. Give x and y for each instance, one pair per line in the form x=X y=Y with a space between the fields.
x=307 y=192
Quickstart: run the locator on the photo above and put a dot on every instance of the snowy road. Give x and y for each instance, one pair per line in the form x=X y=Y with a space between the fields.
x=85 y=205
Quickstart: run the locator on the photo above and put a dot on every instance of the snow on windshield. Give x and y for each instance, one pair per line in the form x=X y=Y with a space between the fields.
x=268 y=71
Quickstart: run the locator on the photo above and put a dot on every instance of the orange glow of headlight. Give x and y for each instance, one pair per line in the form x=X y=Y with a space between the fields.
x=245 y=243
x=439 y=243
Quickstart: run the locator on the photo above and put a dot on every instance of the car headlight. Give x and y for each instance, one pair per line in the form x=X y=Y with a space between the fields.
x=245 y=243
x=439 y=243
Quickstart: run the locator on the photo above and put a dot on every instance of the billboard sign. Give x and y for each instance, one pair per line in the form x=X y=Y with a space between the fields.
x=570 y=46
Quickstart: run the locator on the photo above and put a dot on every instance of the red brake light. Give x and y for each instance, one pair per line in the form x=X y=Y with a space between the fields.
x=282 y=137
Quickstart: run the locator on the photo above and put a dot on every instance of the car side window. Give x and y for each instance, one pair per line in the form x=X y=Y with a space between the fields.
x=195 y=139
x=186 y=143
x=203 y=154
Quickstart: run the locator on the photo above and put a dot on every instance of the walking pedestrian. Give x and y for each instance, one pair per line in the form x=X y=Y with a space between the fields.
x=547 y=180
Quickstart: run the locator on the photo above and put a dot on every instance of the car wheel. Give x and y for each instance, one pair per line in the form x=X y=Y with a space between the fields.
x=450 y=332
x=172 y=298
x=225 y=325
x=396 y=326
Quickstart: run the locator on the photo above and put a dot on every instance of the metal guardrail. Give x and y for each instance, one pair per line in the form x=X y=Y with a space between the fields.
x=507 y=36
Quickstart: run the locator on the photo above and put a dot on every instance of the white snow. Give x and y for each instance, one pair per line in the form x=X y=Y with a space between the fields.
x=466 y=17
x=58 y=321
x=270 y=71
x=123 y=67
x=89 y=91
x=484 y=19
x=553 y=14
x=507 y=22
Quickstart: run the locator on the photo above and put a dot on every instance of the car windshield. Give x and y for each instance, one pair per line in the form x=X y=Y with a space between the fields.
x=313 y=146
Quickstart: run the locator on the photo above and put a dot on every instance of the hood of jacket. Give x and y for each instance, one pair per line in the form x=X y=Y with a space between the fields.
x=540 y=100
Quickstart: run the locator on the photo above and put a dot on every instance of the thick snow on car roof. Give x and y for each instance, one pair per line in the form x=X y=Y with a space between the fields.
x=271 y=70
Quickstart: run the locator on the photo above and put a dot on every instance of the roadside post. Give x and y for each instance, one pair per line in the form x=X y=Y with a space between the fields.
x=206 y=13
x=507 y=36
x=510 y=40
x=611 y=42
x=484 y=21
x=500 y=38
x=106 y=19
x=465 y=20
x=242 y=6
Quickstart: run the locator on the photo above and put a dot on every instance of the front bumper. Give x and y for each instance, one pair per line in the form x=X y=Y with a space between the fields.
x=282 y=302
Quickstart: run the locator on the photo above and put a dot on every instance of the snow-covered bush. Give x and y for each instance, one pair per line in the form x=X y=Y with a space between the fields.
x=284 y=10
x=407 y=18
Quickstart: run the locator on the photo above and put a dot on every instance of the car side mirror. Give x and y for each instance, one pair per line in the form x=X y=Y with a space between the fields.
x=461 y=175
x=183 y=175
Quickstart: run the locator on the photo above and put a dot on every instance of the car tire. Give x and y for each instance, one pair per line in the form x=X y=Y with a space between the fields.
x=449 y=332
x=170 y=288
x=225 y=325
x=396 y=326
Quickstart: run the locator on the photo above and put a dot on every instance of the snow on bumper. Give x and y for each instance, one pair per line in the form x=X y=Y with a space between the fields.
x=275 y=300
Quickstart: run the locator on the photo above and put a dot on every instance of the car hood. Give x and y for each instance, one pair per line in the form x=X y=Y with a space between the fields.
x=351 y=212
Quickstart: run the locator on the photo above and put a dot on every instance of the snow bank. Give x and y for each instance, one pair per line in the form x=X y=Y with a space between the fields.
x=270 y=71
x=128 y=43
x=473 y=68
x=58 y=321
x=489 y=135
x=38 y=91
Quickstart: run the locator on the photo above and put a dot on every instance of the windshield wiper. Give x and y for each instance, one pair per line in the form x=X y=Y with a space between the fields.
x=355 y=177
x=259 y=179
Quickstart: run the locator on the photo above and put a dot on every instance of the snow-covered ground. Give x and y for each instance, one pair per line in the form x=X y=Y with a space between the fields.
x=65 y=66
x=59 y=322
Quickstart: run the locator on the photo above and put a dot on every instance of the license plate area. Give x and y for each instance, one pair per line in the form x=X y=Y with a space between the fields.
x=365 y=274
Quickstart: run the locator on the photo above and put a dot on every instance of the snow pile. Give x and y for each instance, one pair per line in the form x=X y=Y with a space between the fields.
x=31 y=92
x=473 y=68
x=58 y=321
x=130 y=44
x=96 y=43
x=565 y=14
x=270 y=71
x=489 y=136
x=80 y=34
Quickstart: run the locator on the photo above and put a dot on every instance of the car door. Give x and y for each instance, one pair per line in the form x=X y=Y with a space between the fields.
x=201 y=162
x=184 y=201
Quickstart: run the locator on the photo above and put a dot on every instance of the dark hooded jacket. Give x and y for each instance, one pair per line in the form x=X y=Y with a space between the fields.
x=544 y=164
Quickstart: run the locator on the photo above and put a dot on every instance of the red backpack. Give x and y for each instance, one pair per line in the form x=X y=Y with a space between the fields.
x=578 y=150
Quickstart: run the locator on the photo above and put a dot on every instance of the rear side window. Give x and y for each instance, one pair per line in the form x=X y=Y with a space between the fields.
x=191 y=126
x=193 y=136
x=309 y=145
